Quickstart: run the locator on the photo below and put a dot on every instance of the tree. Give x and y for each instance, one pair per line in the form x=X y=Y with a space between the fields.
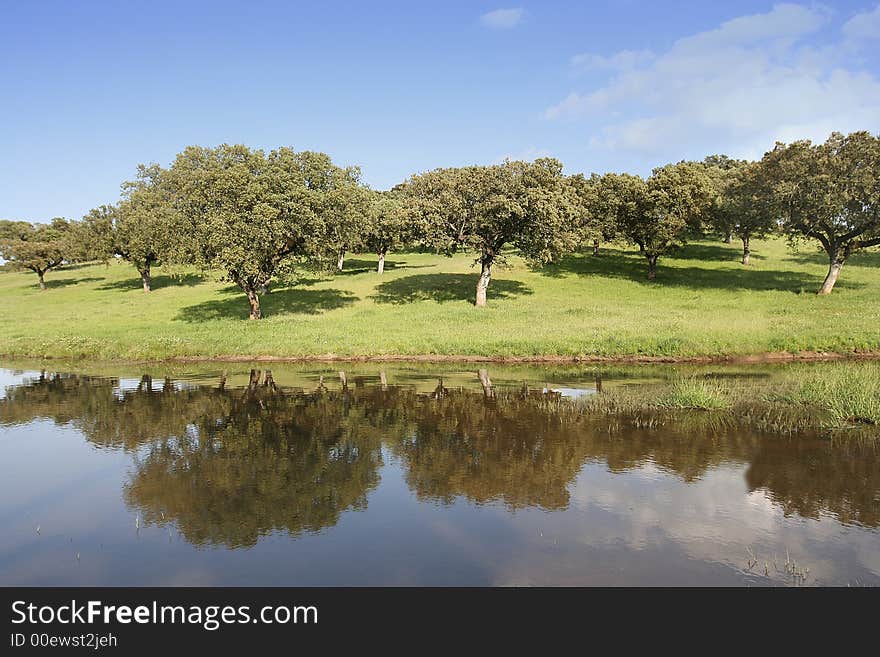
x=37 y=247
x=675 y=200
x=256 y=216
x=829 y=192
x=388 y=226
x=145 y=224
x=746 y=206
x=529 y=206
x=142 y=229
x=618 y=200
x=10 y=229
x=598 y=222
x=722 y=170
x=345 y=204
x=94 y=236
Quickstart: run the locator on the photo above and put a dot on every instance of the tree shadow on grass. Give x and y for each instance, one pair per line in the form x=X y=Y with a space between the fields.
x=442 y=288
x=358 y=266
x=867 y=258
x=285 y=301
x=714 y=252
x=65 y=282
x=631 y=266
x=157 y=282
x=80 y=265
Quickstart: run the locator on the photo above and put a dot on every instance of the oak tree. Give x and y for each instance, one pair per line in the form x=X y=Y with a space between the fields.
x=746 y=206
x=143 y=228
x=722 y=170
x=36 y=247
x=256 y=216
x=345 y=204
x=829 y=192
x=618 y=200
x=530 y=206
x=674 y=202
x=388 y=225
x=597 y=220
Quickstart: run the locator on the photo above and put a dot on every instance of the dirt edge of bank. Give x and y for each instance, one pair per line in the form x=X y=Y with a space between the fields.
x=739 y=359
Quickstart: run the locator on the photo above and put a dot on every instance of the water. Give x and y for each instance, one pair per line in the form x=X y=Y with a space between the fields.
x=191 y=478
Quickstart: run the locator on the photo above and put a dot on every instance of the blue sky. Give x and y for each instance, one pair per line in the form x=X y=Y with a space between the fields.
x=90 y=89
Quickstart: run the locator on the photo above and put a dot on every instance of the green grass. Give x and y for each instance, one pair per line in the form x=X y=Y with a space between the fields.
x=704 y=303
x=841 y=397
x=695 y=393
x=848 y=396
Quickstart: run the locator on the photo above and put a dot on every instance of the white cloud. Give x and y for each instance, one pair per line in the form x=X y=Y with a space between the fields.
x=621 y=61
x=864 y=26
x=736 y=88
x=784 y=21
x=502 y=19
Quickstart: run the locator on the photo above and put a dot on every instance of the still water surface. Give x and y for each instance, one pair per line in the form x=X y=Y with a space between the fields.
x=397 y=477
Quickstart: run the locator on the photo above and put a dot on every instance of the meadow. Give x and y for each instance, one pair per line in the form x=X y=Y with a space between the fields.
x=704 y=303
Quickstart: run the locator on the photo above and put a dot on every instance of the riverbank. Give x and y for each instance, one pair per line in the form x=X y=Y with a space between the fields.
x=704 y=307
x=839 y=398
x=748 y=359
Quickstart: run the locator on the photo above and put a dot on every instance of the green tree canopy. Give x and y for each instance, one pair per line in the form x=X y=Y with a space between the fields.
x=829 y=192
x=618 y=199
x=674 y=202
x=347 y=207
x=37 y=247
x=143 y=228
x=255 y=216
x=598 y=220
x=722 y=170
x=745 y=205
x=530 y=206
x=10 y=229
x=389 y=225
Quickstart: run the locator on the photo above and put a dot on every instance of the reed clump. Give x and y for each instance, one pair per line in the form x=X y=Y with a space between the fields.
x=695 y=393
x=839 y=400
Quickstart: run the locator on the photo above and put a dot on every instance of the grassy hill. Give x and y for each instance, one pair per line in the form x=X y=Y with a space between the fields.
x=704 y=303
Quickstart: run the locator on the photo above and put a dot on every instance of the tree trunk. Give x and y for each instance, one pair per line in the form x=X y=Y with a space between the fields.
x=728 y=237
x=269 y=381
x=254 y=301
x=641 y=247
x=254 y=380
x=486 y=382
x=340 y=261
x=652 y=266
x=145 y=278
x=483 y=281
x=747 y=251
x=381 y=266
x=837 y=259
x=595 y=247
x=42 y=282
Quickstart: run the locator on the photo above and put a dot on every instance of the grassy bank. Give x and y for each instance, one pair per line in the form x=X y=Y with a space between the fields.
x=704 y=303
x=839 y=397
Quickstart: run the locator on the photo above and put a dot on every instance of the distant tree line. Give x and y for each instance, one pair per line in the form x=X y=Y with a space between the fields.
x=261 y=217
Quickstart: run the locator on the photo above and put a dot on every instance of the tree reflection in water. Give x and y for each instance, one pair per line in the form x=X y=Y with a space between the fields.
x=227 y=465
